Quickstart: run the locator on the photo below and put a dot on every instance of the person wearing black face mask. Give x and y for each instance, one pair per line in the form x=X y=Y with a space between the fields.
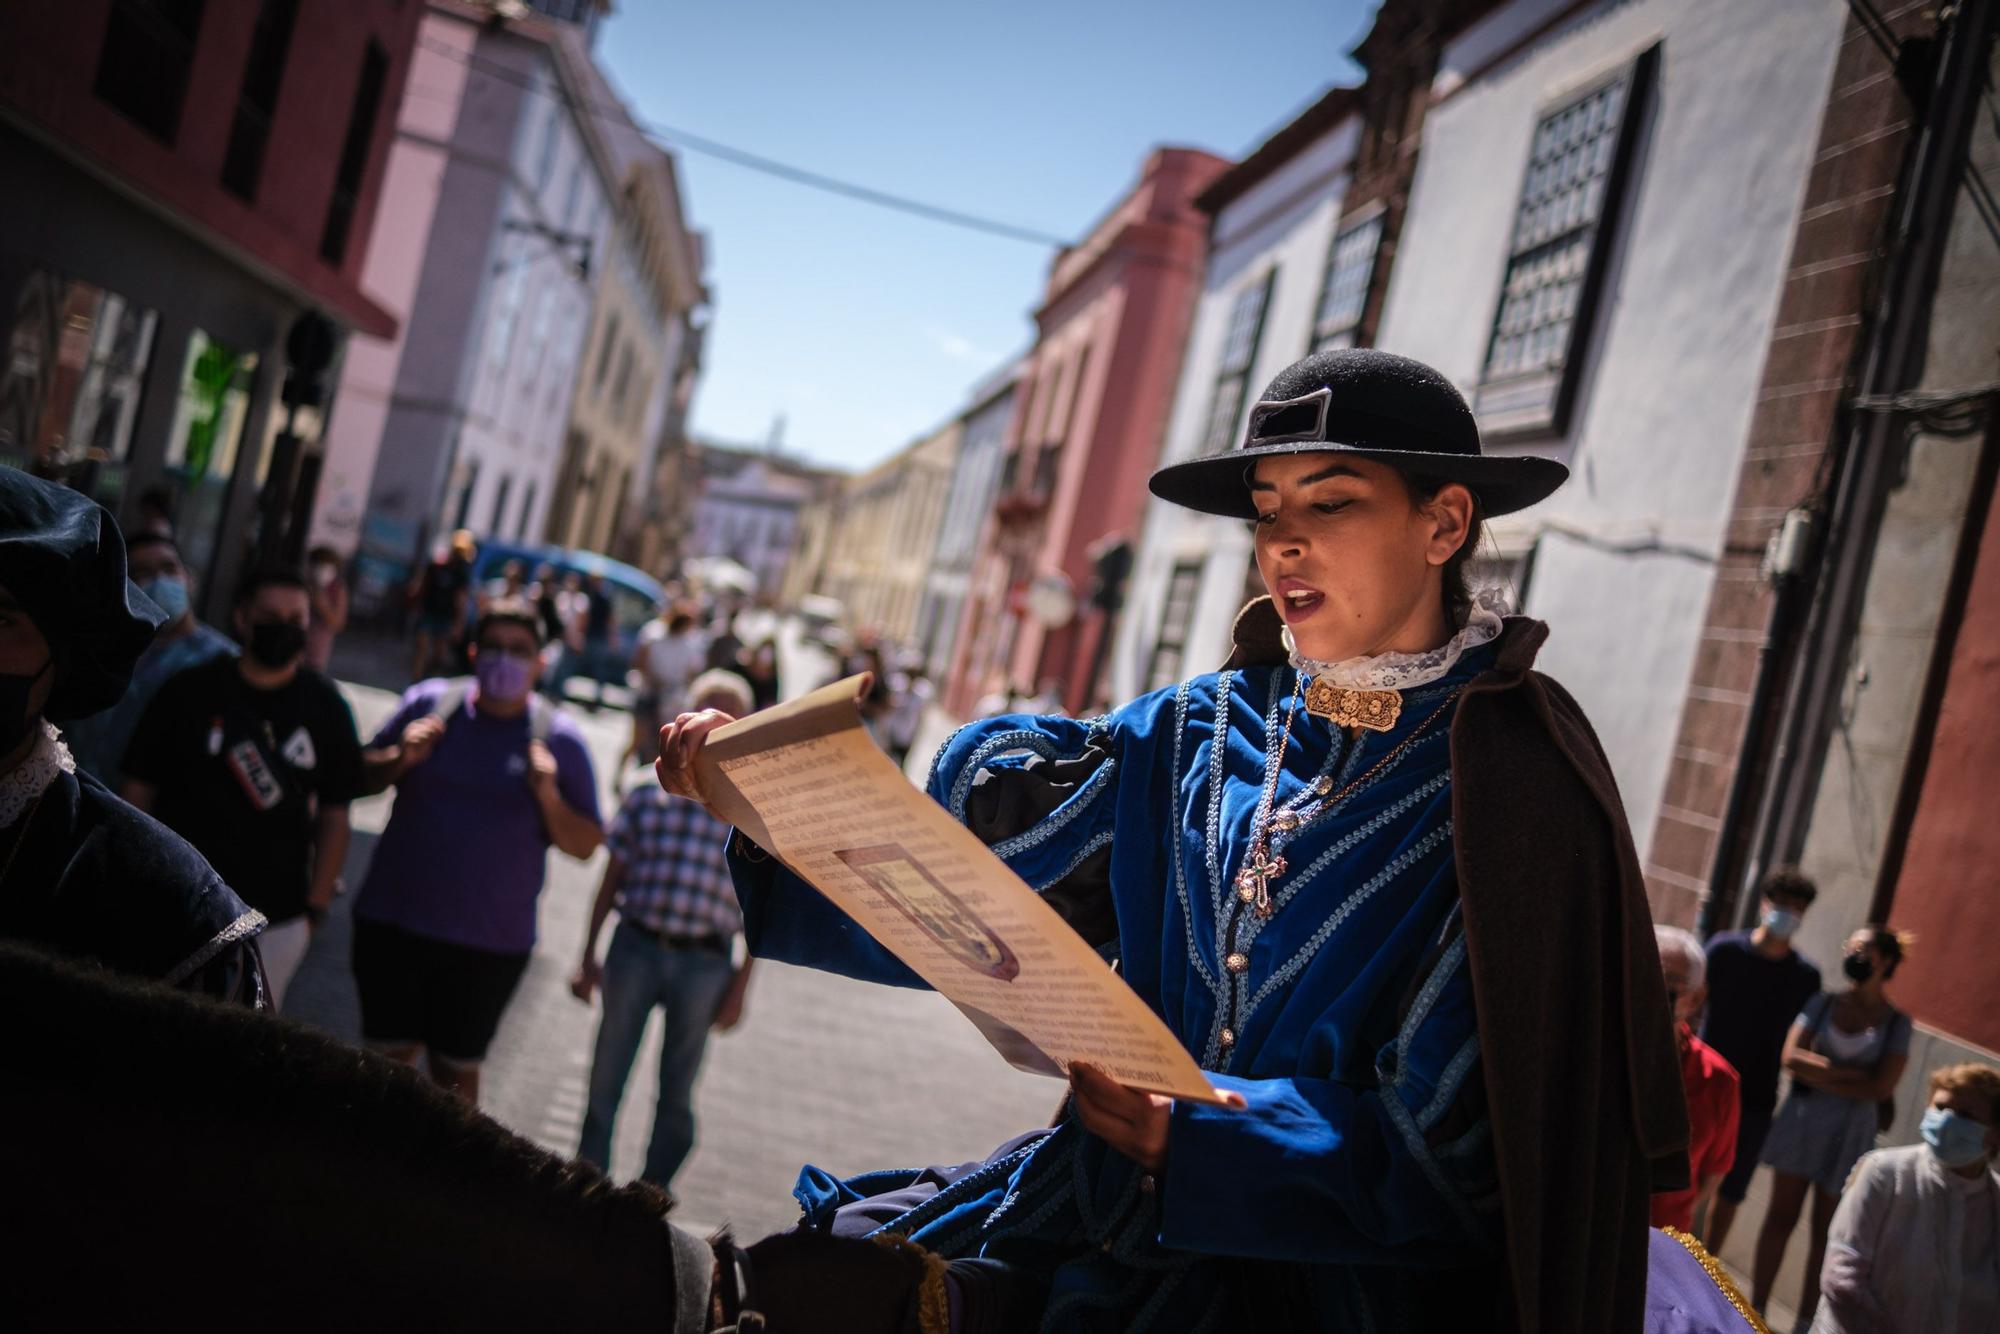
x=254 y=759
x=1845 y=1054
x=81 y=873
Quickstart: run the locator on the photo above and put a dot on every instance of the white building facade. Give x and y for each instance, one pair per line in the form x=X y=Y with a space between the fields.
x=497 y=206
x=747 y=510
x=1596 y=242
x=975 y=480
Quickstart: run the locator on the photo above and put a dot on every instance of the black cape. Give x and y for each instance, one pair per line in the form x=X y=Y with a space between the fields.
x=98 y=881
x=1577 y=1042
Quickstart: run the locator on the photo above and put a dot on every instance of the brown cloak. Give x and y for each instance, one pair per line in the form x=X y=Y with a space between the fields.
x=1583 y=1080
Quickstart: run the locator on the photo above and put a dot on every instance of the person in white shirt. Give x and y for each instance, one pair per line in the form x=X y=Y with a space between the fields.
x=1915 y=1243
x=672 y=651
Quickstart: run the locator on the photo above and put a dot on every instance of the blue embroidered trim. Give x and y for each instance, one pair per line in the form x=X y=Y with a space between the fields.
x=1180 y=865
x=1096 y=842
x=1143 y=1318
x=1045 y=1173
x=1057 y=1195
x=1019 y=738
x=1211 y=1311
x=1447 y=1084
x=1403 y=862
x=1354 y=837
x=1273 y=759
x=1465 y=1145
x=1347 y=776
x=1447 y=964
x=920 y=1216
x=1413 y=1140
x=937 y=757
x=1218 y=743
x=1053 y=823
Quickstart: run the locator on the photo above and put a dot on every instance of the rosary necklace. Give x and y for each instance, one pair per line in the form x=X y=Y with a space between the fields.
x=1356 y=709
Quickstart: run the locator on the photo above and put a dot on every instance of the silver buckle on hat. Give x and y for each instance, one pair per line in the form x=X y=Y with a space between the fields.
x=1318 y=401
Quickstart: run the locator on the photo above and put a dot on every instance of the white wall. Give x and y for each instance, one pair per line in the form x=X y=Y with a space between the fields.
x=526 y=367
x=1670 y=380
x=1286 y=220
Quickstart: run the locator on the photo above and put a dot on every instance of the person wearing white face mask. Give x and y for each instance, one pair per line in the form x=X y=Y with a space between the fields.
x=1915 y=1243
x=153 y=563
x=1757 y=984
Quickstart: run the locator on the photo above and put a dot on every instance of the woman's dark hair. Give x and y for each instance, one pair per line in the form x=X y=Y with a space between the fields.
x=1893 y=946
x=1457 y=588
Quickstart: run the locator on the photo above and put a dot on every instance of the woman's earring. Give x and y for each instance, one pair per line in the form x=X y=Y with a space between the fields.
x=1285 y=638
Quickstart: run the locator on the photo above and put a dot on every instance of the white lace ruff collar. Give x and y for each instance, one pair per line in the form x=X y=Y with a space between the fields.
x=1405 y=671
x=31 y=777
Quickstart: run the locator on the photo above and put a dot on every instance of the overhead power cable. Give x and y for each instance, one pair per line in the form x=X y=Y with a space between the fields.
x=666 y=135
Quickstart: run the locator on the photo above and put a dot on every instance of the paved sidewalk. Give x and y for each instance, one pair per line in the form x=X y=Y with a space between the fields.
x=823 y=1070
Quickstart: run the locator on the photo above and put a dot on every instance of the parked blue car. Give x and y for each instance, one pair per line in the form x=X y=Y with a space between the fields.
x=635 y=595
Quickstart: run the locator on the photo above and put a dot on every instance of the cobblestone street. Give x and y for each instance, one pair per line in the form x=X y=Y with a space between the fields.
x=821 y=1070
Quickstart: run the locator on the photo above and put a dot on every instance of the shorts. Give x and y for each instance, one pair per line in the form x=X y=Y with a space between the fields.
x=1820 y=1136
x=1751 y=1127
x=418 y=990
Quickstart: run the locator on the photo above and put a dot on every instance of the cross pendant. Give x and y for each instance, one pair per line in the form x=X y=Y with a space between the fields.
x=1253 y=882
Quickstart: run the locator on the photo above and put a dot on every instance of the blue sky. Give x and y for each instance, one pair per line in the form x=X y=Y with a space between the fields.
x=865 y=327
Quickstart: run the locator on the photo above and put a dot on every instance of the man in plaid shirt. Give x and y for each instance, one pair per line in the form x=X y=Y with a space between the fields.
x=677 y=927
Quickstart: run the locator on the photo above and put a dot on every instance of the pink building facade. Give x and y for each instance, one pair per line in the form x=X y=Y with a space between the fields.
x=1086 y=431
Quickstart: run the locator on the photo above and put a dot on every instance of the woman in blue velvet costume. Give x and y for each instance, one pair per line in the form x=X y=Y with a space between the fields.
x=1378 y=883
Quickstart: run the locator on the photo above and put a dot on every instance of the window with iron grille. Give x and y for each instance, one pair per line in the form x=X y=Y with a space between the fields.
x=142 y=68
x=1176 y=614
x=1343 y=294
x=1568 y=211
x=1239 y=354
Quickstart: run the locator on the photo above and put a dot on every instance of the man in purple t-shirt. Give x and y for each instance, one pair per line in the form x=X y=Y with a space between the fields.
x=487 y=776
x=1757 y=984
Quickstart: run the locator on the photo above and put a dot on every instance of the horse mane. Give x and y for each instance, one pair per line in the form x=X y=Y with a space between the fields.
x=167 y=1054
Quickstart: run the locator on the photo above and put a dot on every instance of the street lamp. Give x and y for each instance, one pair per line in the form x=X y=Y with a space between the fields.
x=559 y=240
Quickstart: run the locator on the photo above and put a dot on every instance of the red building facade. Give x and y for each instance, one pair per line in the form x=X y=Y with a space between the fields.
x=188 y=179
x=1089 y=415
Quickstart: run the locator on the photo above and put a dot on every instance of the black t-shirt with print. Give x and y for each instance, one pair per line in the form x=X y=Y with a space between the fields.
x=242 y=773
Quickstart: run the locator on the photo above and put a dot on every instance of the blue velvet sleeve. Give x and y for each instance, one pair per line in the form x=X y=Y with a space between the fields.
x=1320 y=1171
x=786 y=919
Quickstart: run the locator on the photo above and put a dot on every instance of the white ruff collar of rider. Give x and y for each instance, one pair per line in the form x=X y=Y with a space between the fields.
x=1406 y=671
x=32 y=776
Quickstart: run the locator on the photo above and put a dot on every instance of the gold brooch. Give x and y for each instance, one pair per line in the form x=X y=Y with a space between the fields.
x=1376 y=710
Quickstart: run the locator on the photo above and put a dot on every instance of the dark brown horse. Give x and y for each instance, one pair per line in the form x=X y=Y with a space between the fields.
x=168 y=1160
x=165 y=1159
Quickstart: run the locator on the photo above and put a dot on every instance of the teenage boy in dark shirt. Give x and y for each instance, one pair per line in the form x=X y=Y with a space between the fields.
x=253 y=760
x=1757 y=984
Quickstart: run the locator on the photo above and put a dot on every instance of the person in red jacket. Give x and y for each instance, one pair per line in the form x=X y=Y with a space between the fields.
x=1711 y=1083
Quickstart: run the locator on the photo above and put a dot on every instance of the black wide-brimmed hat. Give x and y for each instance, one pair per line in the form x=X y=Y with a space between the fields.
x=63 y=560
x=1373 y=405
